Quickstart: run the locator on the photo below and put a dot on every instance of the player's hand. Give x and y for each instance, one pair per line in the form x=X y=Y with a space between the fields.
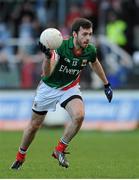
x=108 y=92
x=45 y=50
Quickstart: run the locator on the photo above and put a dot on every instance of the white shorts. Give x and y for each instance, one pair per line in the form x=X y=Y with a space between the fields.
x=46 y=97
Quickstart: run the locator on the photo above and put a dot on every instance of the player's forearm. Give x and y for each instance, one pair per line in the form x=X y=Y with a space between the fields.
x=97 y=67
x=46 y=67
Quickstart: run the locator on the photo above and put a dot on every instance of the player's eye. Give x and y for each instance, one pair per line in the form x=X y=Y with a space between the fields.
x=90 y=34
x=86 y=34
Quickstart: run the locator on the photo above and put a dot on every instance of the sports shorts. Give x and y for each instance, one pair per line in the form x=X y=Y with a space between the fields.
x=47 y=97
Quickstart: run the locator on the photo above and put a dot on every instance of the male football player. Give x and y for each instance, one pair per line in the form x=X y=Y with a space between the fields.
x=60 y=84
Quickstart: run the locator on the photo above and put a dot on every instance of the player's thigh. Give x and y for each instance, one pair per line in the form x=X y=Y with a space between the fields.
x=75 y=108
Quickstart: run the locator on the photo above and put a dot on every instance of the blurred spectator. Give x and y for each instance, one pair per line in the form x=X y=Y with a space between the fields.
x=116 y=61
x=74 y=12
x=41 y=12
x=46 y=12
x=130 y=10
x=116 y=30
x=51 y=10
x=90 y=11
x=116 y=6
x=6 y=51
x=26 y=8
x=26 y=19
x=27 y=69
x=26 y=34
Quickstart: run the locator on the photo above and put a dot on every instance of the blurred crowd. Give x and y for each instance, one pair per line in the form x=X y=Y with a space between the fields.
x=21 y=23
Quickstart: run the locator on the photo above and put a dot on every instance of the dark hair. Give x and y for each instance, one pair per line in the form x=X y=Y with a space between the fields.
x=81 y=22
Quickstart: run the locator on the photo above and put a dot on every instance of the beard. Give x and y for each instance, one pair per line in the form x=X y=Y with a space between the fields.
x=82 y=44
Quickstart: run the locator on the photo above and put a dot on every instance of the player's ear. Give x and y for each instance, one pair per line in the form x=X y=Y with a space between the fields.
x=74 y=34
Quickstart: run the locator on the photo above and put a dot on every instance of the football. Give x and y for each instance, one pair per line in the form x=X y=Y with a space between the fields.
x=51 y=38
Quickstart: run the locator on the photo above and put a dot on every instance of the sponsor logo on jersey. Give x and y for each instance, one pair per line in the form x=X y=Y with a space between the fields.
x=84 y=62
x=67 y=60
x=67 y=70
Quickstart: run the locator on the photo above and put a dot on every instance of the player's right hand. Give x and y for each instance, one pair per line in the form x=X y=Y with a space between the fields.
x=45 y=50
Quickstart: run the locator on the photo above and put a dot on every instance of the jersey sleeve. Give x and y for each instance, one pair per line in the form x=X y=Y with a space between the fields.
x=93 y=53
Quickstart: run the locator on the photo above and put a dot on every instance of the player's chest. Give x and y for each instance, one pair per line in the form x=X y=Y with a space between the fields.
x=74 y=62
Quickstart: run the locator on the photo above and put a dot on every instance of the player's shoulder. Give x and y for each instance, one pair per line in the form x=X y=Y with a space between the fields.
x=66 y=42
x=91 y=47
x=91 y=50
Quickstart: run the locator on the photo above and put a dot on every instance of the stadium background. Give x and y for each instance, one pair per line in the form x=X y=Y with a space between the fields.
x=109 y=149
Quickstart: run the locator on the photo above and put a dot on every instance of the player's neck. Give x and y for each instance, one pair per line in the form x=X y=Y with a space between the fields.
x=77 y=50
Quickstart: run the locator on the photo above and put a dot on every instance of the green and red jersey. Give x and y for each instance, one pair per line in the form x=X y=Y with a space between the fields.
x=67 y=70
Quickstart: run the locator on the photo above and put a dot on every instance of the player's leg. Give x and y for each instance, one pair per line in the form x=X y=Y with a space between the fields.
x=75 y=108
x=33 y=126
x=28 y=136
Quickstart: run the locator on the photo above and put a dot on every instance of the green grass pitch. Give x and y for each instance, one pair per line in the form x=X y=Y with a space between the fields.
x=92 y=155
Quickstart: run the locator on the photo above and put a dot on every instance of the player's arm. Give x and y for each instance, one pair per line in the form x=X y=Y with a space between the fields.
x=97 y=67
x=46 y=65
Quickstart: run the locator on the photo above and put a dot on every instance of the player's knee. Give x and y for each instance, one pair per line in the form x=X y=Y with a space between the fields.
x=79 y=117
x=35 y=125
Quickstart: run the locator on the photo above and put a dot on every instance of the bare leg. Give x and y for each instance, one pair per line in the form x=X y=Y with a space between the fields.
x=30 y=131
x=28 y=136
x=75 y=108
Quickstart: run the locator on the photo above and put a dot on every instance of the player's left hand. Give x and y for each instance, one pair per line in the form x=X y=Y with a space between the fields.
x=108 y=92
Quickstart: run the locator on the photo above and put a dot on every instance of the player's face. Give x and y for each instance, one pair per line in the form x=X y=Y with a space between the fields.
x=83 y=37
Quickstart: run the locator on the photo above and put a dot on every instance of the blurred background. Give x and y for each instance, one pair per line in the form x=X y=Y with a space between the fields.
x=116 y=36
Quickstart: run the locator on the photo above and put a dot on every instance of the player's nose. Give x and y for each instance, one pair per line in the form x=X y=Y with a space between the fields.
x=88 y=37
